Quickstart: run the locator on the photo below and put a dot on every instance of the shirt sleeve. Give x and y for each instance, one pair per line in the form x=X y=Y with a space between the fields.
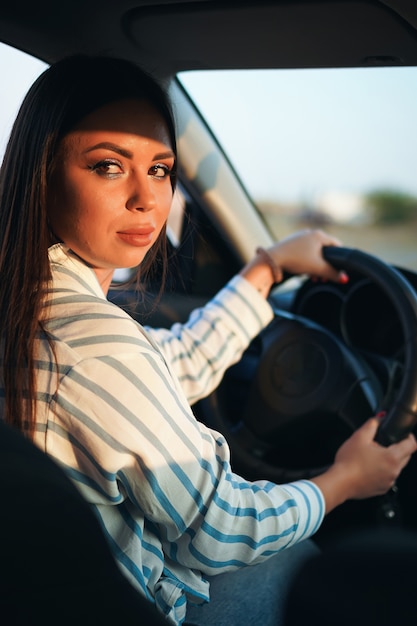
x=125 y=431
x=215 y=336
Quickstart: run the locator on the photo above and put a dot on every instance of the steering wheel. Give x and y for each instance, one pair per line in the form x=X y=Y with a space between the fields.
x=300 y=380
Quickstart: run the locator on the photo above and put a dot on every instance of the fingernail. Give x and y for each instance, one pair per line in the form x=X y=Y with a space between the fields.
x=381 y=414
x=343 y=278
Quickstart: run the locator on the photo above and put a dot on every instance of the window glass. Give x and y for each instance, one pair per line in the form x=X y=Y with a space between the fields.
x=333 y=148
x=18 y=71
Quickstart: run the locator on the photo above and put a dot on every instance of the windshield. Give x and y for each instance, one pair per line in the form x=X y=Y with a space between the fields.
x=332 y=148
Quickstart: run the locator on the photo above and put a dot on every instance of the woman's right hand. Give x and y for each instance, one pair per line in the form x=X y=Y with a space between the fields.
x=299 y=253
x=363 y=468
x=302 y=253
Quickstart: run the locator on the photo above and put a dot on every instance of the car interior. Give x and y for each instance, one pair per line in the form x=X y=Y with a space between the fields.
x=334 y=354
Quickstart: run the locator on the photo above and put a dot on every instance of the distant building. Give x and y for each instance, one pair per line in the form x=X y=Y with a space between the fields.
x=342 y=207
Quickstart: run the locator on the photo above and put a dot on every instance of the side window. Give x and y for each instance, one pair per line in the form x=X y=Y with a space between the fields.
x=175 y=223
x=18 y=71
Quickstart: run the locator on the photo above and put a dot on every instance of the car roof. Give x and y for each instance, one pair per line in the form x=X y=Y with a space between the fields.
x=171 y=36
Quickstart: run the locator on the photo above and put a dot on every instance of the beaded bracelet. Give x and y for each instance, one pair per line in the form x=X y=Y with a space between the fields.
x=270 y=261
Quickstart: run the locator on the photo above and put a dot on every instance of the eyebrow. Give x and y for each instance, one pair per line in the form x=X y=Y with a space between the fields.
x=108 y=145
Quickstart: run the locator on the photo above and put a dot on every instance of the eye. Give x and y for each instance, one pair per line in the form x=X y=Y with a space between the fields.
x=108 y=168
x=159 y=170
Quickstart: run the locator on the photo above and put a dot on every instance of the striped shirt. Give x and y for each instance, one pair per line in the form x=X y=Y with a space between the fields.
x=113 y=408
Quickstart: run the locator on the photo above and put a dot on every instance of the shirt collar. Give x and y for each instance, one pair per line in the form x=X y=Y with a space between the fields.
x=65 y=264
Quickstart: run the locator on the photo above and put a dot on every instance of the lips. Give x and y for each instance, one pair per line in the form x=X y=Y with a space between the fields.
x=137 y=236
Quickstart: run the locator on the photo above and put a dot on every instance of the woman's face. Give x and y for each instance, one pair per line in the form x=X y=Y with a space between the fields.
x=111 y=192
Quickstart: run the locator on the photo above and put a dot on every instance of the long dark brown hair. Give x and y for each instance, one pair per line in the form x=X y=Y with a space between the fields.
x=61 y=96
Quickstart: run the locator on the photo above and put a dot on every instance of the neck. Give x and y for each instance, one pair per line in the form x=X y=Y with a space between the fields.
x=104 y=277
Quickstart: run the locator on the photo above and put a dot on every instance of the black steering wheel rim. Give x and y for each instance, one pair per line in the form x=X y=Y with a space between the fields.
x=401 y=415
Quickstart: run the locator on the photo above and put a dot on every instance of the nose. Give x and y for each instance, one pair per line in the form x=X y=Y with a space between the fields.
x=141 y=196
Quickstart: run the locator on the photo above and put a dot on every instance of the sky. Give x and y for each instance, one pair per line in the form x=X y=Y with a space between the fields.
x=313 y=130
x=18 y=72
x=306 y=133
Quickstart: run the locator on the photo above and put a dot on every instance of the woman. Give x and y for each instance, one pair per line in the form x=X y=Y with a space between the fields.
x=86 y=187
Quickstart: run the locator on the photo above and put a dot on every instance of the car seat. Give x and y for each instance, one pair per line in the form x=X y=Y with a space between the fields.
x=55 y=564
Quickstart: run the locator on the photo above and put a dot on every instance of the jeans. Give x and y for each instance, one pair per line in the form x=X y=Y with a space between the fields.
x=255 y=594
